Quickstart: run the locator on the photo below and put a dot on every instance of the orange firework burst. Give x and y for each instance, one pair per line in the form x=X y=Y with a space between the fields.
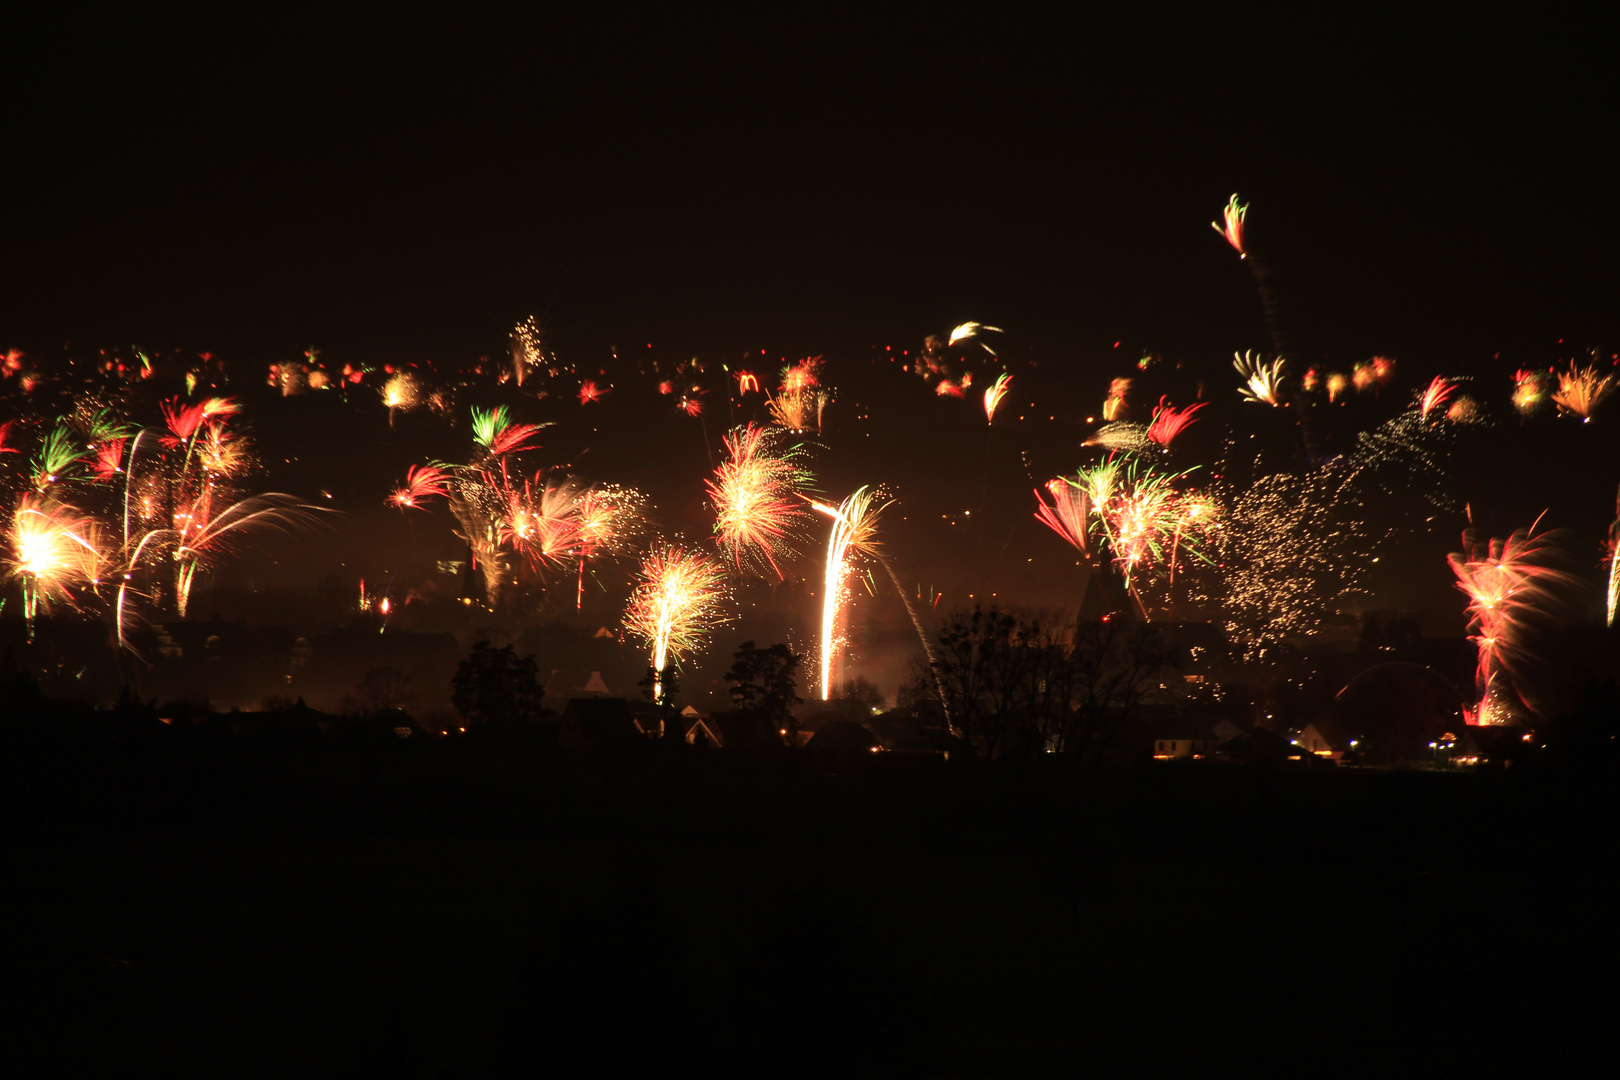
x=54 y=549
x=1581 y=389
x=993 y=396
x=799 y=400
x=679 y=596
x=401 y=393
x=1529 y=390
x=1234 y=216
x=421 y=482
x=1512 y=586
x=756 y=494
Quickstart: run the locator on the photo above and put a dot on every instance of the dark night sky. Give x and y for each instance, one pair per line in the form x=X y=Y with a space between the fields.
x=403 y=185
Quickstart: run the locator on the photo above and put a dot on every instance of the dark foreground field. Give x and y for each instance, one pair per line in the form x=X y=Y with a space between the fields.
x=439 y=909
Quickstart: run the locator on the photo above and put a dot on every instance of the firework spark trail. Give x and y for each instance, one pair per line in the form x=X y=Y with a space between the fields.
x=1436 y=394
x=544 y=527
x=1612 y=598
x=854 y=533
x=421 y=482
x=54 y=548
x=679 y=596
x=1580 y=390
x=1168 y=422
x=1514 y=587
x=972 y=330
x=1124 y=436
x=993 y=396
x=757 y=494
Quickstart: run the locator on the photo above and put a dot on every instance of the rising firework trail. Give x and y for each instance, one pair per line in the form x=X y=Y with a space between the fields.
x=993 y=396
x=854 y=533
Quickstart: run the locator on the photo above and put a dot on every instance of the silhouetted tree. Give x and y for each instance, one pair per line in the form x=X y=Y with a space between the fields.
x=660 y=687
x=763 y=682
x=493 y=687
x=380 y=689
x=1017 y=683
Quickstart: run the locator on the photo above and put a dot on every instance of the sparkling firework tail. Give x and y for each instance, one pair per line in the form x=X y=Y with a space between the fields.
x=854 y=533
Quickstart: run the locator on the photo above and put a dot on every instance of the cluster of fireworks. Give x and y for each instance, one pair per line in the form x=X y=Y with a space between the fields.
x=109 y=505
x=107 y=511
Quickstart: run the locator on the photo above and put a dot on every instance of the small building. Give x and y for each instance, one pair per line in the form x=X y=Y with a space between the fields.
x=1182 y=738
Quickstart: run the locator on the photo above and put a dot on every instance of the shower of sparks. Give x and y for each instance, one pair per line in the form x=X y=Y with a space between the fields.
x=1436 y=394
x=756 y=493
x=1122 y=436
x=1514 y=588
x=678 y=598
x=421 y=482
x=1233 y=229
x=53 y=549
x=854 y=534
x=1581 y=389
x=1263 y=380
x=994 y=395
x=1337 y=382
x=401 y=393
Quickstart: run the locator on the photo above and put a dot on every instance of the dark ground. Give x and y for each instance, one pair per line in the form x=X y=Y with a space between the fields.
x=455 y=909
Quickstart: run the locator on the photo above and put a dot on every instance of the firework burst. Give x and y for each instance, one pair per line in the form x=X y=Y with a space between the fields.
x=401 y=393
x=1513 y=586
x=1263 y=380
x=421 y=482
x=1529 y=391
x=1436 y=394
x=757 y=494
x=678 y=598
x=1168 y=422
x=1232 y=231
x=54 y=549
x=1581 y=389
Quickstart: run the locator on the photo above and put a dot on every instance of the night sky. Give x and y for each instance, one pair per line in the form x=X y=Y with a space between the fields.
x=402 y=187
